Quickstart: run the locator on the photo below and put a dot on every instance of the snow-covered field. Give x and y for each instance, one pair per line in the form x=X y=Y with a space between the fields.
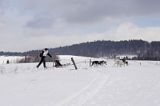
x=137 y=84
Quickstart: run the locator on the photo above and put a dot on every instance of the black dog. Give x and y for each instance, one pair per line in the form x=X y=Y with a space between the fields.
x=124 y=61
x=98 y=62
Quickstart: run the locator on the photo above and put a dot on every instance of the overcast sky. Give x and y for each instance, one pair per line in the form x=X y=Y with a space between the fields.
x=36 y=24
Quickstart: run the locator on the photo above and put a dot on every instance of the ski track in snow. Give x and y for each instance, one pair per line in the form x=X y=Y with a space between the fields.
x=86 y=93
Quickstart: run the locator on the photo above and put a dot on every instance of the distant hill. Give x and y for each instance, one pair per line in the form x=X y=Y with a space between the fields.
x=104 y=48
x=10 y=53
x=144 y=49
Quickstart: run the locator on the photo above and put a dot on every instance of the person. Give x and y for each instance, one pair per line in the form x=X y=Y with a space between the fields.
x=7 y=62
x=57 y=61
x=43 y=55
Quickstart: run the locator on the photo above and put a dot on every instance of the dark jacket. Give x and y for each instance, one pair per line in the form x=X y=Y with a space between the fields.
x=44 y=53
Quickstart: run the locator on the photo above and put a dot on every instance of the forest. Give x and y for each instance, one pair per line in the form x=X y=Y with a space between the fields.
x=143 y=49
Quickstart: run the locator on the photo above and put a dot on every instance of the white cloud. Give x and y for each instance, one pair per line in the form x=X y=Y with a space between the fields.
x=132 y=31
x=128 y=30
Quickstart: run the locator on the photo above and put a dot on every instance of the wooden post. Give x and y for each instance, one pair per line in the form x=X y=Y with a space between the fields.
x=90 y=62
x=74 y=63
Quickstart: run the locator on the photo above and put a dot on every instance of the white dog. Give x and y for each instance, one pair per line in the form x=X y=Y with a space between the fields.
x=119 y=63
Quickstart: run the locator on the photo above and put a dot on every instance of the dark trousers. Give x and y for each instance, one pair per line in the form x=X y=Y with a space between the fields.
x=57 y=63
x=42 y=61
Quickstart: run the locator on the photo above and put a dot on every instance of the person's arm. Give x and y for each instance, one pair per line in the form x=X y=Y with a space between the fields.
x=49 y=55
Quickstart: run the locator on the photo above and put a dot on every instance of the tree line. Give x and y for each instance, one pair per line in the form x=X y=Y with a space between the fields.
x=143 y=49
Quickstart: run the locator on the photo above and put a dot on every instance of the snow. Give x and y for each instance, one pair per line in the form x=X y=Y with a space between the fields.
x=137 y=84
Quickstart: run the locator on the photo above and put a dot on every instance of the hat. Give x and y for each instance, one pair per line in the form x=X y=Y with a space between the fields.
x=46 y=49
